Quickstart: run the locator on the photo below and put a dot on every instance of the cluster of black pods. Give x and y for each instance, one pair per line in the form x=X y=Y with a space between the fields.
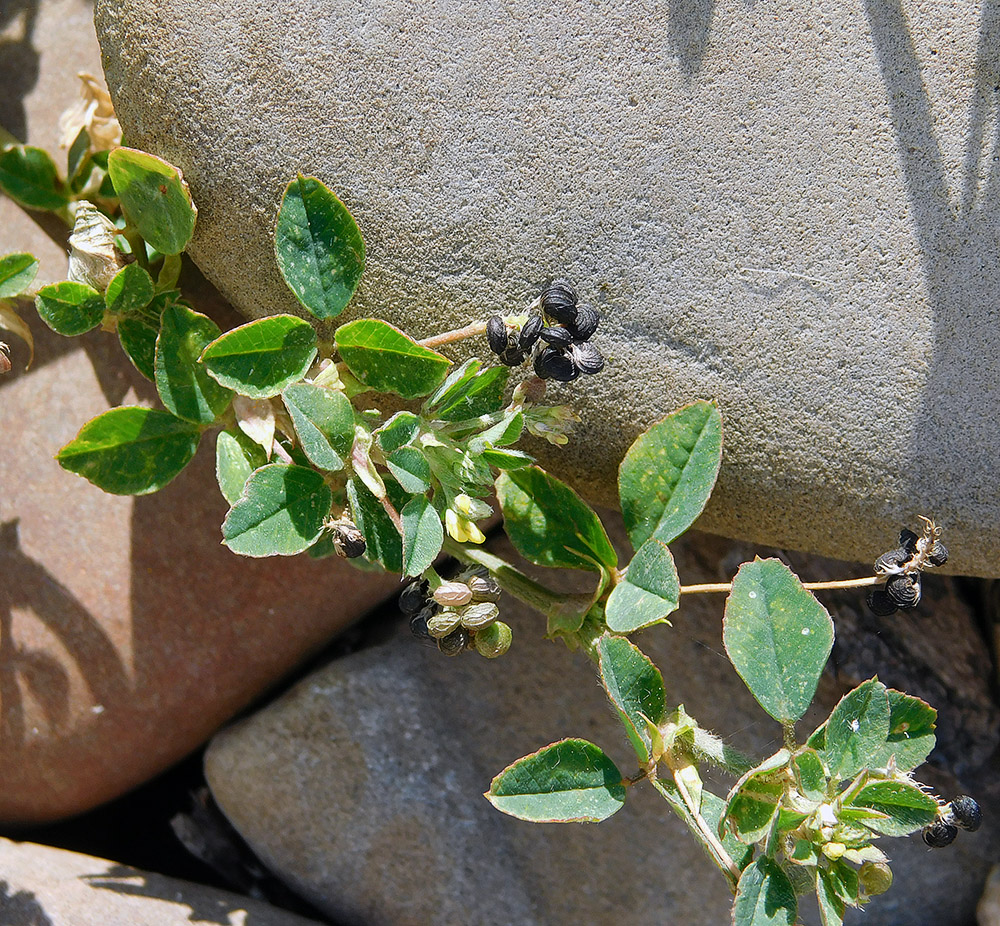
x=901 y=591
x=565 y=328
x=963 y=812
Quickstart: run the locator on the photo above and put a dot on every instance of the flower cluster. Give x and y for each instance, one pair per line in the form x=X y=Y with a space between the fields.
x=459 y=614
x=902 y=567
x=963 y=812
x=561 y=335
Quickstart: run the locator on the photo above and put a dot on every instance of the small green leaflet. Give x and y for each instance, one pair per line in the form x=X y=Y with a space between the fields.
x=422 y=535
x=635 y=687
x=70 y=308
x=765 y=896
x=324 y=423
x=236 y=457
x=130 y=290
x=386 y=359
x=857 y=730
x=29 y=177
x=138 y=340
x=16 y=273
x=648 y=593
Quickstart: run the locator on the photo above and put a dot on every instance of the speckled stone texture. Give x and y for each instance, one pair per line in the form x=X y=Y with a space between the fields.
x=41 y=886
x=790 y=209
x=361 y=786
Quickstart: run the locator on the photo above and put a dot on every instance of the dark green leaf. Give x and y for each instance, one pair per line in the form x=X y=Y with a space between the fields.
x=70 y=308
x=648 y=593
x=752 y=805
x=399 y=430
x=907 y=808
x=843 y=882
x=668 y=473
x=507 y=459
x=387 y=360
x=385 y=546
x=324 y=423
x=236 y=457
x=411 y=469
x=505 y=432
x=778 y=637
x=831 y=907
x=130 y=290
x=184 y=386
x=857 y=729
x=261 y=358
x=131 y=451
x=911 y=732
x=280 y=513
x=456 y=380
x=481 y=395
x=571 y=781
x=138 y=340
x=16 y=273
x=635 y=687
x=77 y=154
x=154 y=198
x=319 y=248
x=550 y=524
x=811 y=774
x=423 y=535
x=765 y=896
x=29 y=177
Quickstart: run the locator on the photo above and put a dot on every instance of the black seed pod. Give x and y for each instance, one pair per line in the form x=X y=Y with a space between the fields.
x=455 y=642
x=587 y=358
x=938 y=554
x=904 y=590
x=939 y=834
x=559 y=301
x=880 y=603
x=413 y=597
x=585 y=324
x=908 y=540
x=529 y=333
x=888 y=562
x=553 y=364
x=557 y=336
x=418 y=623
x=512 y=357
x=496 y=334
x=967 y=813
x=348 y=541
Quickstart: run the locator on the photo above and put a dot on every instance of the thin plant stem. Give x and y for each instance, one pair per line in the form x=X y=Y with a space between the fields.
x=812 y=586
x=705 y=830
x=458 y=334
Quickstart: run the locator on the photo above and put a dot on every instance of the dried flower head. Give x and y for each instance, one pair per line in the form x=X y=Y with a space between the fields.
x=94 y=258
x=95 y=113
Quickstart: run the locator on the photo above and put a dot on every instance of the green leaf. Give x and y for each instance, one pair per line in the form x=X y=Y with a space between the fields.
x=398 y=431
x=635 y=687
x=648 y=593
x=831 y=907
x=77 y=153
x=911 y=732
x=452 y=386
x=261 y=358
x=387 y=360
x=138 y=340
x=810 y=774
x=154 y=198
x=131 y=451
x=505 y=432
x=668 y=473
x=765 y=896
x=906 y=807
x=70 y=308
x=506 y=459
x=236 y=457
x=778 y=637
x=753 y=803
x=16 y=273
x=571 y=781
x=184 y=386
x=550 y=525
x=324 y=423
x=319 y=248
x=385 y=545
x=481 y=394
x=280 y=513
x=411 y=469
x=30 y=178
x=422 y=535
x=857 y=729
x=130 y=290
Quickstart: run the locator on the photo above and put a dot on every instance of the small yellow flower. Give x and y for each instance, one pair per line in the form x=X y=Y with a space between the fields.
x=462 y=529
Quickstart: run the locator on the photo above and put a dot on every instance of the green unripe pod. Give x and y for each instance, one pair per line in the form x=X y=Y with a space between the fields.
x=875 y=878
x=494 y=640
x=478 y=616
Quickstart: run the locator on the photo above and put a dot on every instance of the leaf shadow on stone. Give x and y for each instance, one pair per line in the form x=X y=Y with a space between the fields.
x=18 y=62
x=28 y=584
x=21 y=908
x=207 y=905
x=688 y=26
x=958 y=237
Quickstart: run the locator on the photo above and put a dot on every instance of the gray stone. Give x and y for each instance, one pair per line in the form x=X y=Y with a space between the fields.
x=42 y=886
x=792 y=210
x=361 y=786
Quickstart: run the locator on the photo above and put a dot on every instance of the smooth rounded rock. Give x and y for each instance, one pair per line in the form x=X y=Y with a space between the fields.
x=791 y=210
x=361 y=787
x=42 y=886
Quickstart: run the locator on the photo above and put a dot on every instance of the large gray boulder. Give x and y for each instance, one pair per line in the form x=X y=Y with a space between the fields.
x=790 y=209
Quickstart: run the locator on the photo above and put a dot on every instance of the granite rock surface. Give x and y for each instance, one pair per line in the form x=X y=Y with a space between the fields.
x=790 y=210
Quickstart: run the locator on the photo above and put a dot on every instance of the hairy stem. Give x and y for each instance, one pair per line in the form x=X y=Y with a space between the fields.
x=718 y=850
x=812 y=586
x=458 y=334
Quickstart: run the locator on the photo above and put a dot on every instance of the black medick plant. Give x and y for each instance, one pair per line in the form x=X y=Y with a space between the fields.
x=309 y=462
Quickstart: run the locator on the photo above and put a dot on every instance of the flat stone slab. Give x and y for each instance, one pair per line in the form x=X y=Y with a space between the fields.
x=42 y=886
x=790 y=210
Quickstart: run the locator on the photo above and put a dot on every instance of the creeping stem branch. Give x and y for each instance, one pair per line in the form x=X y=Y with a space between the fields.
x=705 y=830
x=458 y=334
x=812 y=586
